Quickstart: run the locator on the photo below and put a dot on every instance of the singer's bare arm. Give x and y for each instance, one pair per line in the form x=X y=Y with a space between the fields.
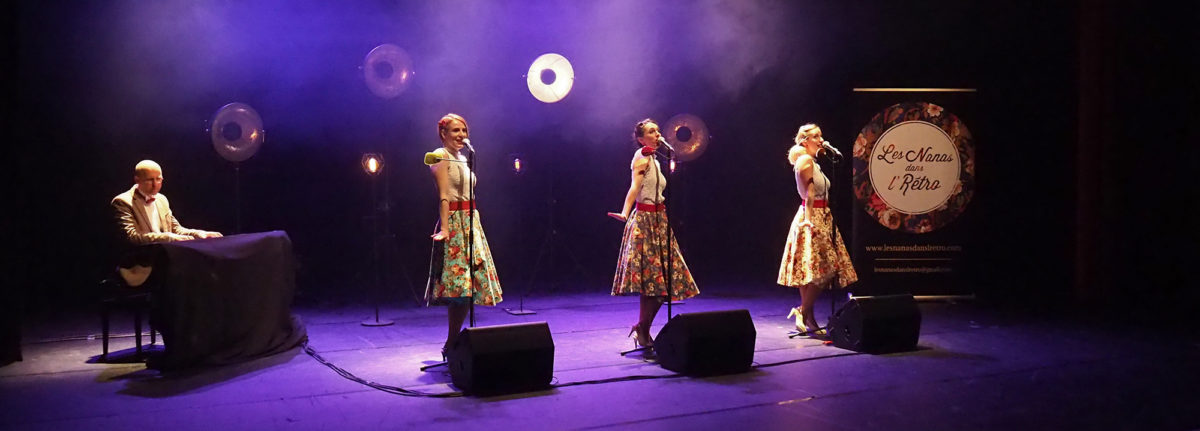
x=635 y=184
x=804 y=165
x=441 y=175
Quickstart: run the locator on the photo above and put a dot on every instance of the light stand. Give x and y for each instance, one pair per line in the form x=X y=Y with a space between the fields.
x=372 y=164
x=550 y=242
x=519 y=168
x=237 y=197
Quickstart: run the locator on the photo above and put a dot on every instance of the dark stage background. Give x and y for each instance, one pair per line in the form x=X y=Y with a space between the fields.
x=1083 y=131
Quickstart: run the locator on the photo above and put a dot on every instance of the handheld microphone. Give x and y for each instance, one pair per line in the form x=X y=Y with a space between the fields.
x=663 y=142
x=825 y=145
x=467 y=142
x=432 y=158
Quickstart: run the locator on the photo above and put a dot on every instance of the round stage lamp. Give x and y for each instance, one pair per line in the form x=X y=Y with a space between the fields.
x=236 y=131
x=387 y=70
x=550 y=78
x=688 y=134
x=372 y=163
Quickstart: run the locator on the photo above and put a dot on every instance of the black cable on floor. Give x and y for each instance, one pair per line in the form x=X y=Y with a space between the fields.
x=615 y=379
x=411 y=393
x=793 y=361
x=385 y=388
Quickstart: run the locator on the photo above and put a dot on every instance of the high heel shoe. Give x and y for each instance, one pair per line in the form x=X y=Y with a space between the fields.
x=800 y=326
x=817 y=330
x=639 y=339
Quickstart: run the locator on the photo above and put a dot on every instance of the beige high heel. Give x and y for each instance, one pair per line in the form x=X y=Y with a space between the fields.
x=800 y=327
x=636 y=333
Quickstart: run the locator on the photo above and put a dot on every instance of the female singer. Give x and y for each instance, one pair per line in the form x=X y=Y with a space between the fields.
x=642 y=264
x=457 y=212
x=810 y=259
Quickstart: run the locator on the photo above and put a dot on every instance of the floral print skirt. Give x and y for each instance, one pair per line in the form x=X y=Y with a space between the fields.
x=640 y=269
x=809 y=257
x=449 y=283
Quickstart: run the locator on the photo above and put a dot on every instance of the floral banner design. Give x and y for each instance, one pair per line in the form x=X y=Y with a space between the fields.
x=914 y=167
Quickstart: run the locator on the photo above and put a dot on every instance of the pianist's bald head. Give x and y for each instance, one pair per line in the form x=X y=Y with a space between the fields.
x=146 y=168
x=148 y=177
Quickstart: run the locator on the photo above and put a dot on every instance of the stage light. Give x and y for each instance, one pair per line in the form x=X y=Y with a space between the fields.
x=236 y=131
x=672 y=166
x=387 y=70
x=688 y=134
x=372 y=163
x=517 y=165
x=550 y=78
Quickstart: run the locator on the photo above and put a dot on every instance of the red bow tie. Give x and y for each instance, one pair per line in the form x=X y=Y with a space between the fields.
x=150 y=200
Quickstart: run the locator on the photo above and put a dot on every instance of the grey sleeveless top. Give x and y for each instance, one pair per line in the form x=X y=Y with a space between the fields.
x=653 y=183
x=820 y=183
x=457 y=173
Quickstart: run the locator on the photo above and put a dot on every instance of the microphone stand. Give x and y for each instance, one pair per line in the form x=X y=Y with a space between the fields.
x=470 y=252
x=667 y=252
x=832 y=240
x=670 y=232
x=471 y=234
x=833 y=235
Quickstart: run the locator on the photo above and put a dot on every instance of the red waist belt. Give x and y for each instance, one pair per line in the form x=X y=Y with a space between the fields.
x=462 y=205
x=650 y=207
x=817 y=204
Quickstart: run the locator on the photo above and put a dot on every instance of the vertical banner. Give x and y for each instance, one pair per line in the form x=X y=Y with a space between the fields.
x=913 y=179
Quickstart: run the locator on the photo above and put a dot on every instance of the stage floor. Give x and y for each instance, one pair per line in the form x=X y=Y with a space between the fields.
x=976 y=368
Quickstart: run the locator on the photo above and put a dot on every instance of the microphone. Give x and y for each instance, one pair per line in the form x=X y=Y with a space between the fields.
x=467 y=142
x=432 y=158
x=825 y=145
x=663 y=142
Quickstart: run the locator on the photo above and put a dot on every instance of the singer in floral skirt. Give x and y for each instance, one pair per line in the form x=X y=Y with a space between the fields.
x=642 y=264
x=811 y=262
x=449 y=285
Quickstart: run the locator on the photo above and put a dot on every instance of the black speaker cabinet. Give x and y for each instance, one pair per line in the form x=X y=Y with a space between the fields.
x=708 y=343
x=877 y=324
x=504 y=359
